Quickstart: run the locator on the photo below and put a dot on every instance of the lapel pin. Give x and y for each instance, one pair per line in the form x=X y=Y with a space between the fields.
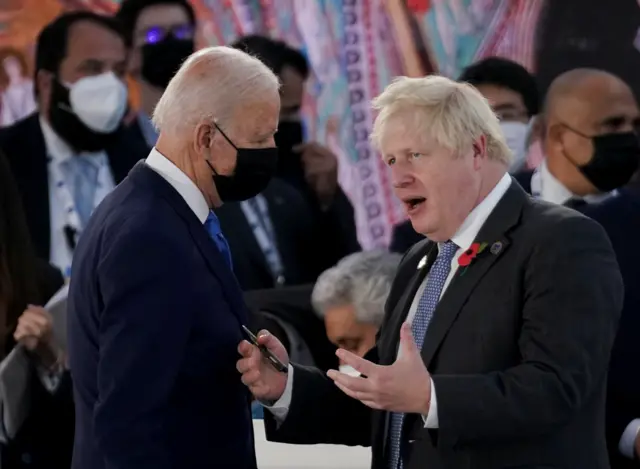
x=496 y=248
x=422 y=262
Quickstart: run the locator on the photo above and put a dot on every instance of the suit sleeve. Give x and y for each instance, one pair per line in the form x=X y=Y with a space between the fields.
x=320 y=413
x=571 y=307
x=143 y=332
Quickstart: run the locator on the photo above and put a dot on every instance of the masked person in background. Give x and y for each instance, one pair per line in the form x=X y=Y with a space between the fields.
x=513 y=95
x=69 y=155
x=161 y=36
x=589 y=135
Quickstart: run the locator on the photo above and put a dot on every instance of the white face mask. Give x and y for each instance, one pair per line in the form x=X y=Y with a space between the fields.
x=515 y=134
x=348 y=370
x=99 y=101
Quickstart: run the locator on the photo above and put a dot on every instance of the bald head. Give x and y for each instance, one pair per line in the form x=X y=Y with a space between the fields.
x=582 y=104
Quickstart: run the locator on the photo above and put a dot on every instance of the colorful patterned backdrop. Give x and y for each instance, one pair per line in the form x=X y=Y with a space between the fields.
x=355 y=47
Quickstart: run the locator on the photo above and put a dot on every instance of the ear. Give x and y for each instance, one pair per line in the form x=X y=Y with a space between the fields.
x=203 y=135
x=479 y=151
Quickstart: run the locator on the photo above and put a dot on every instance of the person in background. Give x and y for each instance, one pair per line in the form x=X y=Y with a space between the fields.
x=589 y=131
x=350 y=297
x=45 y=439
x=67 y=157
x=160 y=35
x=18 y=99
x=620 y=217
x=155 y=311
x=308 y=166
x=513 y=95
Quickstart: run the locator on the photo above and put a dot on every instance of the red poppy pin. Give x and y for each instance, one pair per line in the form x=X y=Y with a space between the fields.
x=466 y=258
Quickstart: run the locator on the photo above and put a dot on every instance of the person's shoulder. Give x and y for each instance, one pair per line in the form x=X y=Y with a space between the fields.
x=553 y=224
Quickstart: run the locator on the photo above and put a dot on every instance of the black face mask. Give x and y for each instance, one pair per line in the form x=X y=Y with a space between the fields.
x=69 y=126
x=254 y=169
x=616 y=157
x=161 y=61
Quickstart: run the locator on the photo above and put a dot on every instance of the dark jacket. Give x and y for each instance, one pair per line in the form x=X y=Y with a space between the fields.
x=518 y=350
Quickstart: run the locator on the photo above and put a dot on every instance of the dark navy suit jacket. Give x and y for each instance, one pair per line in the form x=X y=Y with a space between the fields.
x=620 y=217
x=154 y=325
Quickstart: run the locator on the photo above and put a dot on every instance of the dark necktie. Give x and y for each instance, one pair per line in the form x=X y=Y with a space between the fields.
x=212 y=225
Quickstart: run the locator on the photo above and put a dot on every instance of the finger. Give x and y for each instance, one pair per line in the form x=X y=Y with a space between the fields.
x=245 y=348
x=245 y=365
x=357 y=384
x=358 y=396
x=28 y=329
x=36 y=318
x=251 y=378
x=365 y=367
x=408 y=345
x=267 y=339
x=301 y=147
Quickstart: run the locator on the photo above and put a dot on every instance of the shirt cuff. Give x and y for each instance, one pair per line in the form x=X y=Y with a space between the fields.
x=628 y=439
x=280 y=408
x=431 y=419
x=50 y=378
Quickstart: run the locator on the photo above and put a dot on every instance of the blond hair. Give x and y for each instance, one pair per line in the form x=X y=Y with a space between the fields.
x=210 y=84
x=453 y=114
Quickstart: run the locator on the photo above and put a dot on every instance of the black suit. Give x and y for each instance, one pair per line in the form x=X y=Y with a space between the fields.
x=24 y=145
x=518 y=350
x=620 y=217
x=307 y=243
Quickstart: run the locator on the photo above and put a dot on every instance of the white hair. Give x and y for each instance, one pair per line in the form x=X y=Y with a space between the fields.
x=210 y=84
x=454 y=114
x=362 y=280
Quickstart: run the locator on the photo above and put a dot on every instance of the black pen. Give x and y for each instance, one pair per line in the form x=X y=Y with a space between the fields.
x=266 y=353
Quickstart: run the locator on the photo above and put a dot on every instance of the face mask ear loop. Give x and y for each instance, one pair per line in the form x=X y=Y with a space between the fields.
x=225 y=135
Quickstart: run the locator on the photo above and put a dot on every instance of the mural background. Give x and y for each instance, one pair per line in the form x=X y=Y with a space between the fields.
x=356 y=47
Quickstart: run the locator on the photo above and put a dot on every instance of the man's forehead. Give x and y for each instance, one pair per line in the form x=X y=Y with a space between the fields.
x=88 y=39
x=165 y=15
x=595 y=109
x=259 y=117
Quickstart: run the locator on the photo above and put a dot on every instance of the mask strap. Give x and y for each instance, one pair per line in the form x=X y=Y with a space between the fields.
x=577 y=132
x=224 y=135
x=227 y=139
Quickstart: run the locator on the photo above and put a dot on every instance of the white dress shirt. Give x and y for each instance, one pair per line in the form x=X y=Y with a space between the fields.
x=59 y=152
x=180 y=182
x=464 y=238
x=547 y=187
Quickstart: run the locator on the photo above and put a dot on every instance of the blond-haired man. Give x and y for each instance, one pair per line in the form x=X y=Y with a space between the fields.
x=497 y=333
x=155 y=311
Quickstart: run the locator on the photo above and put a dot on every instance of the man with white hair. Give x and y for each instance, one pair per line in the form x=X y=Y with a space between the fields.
x=494 y=348
x=155 y=311
x=350 y=297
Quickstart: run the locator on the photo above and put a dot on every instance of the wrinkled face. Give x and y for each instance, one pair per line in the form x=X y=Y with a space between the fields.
x=344 y=330
x=252 y=125
x=153 y=25
x=438 y=188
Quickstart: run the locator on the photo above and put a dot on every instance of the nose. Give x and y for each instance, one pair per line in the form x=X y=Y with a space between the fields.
x=401 y=179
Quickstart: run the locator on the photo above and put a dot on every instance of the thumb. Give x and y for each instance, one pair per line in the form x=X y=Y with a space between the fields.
x=407 y=342
x=299 y=147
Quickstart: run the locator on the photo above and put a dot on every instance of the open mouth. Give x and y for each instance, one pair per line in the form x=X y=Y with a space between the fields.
x=412 y=203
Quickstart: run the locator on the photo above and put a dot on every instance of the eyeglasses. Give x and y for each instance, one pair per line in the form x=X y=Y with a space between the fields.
x=157 y=34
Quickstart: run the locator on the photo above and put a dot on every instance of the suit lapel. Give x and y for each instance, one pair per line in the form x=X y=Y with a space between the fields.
x=213 y=258
x=388 y=347
x=494 y=232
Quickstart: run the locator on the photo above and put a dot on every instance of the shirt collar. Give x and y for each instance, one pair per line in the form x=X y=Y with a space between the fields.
x=552 y=190
x=466 y=234
x=180 y=182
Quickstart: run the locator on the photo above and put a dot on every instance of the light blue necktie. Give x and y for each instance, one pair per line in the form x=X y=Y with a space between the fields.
x=426 y=307
x=82 y=177
x=212 y=225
